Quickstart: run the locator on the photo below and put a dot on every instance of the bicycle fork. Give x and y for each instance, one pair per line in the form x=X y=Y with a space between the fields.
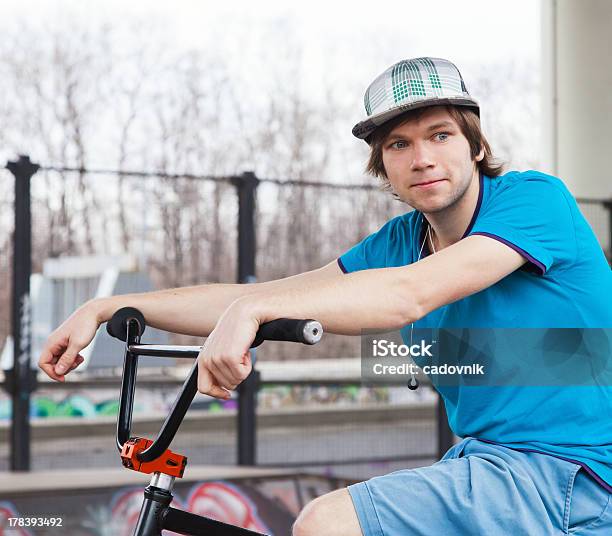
x=156 y=515
x=157 y=499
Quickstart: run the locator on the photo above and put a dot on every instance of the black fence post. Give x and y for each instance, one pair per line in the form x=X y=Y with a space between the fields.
x=446 y=438
x=21 y=379
x=246 y=185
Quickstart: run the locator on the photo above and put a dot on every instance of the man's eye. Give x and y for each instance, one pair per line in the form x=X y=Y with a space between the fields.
x=399 y=145
x=442 y=136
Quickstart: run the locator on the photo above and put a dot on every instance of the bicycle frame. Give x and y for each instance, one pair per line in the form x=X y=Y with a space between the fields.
x=154 y=457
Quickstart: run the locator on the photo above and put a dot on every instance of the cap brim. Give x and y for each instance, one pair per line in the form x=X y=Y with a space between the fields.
x=363 y=129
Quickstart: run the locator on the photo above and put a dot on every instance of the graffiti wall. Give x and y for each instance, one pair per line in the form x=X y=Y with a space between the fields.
x=104 y=402
x=268 y=506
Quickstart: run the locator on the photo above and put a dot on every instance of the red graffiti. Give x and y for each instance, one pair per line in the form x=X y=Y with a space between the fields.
x=8 y=511
x=226 y=503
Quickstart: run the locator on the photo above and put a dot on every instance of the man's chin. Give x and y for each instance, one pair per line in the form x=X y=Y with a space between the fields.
x=429 y=207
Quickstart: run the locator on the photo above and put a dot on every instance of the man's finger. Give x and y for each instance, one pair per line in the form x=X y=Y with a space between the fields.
x=48 y=359
x=222 y=377
x=219 y=392
x=66 y=361
x=237 y=372
x=51 y=351
x=206 y=384
x=78 y=361
x=204 y=378
x=49 y=370
x=45 y=357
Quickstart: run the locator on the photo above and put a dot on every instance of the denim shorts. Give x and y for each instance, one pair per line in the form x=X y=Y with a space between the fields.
x=484 y=489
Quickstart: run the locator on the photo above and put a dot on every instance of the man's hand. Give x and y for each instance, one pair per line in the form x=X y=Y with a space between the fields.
x=61 y=352
x=225 y=360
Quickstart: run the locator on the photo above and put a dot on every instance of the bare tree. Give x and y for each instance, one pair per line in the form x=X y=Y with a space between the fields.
x=80 y=98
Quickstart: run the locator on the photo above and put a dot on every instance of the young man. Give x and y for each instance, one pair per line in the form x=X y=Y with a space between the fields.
x=480 y=250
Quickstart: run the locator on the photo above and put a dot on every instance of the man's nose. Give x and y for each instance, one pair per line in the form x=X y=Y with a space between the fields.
x=421 y=156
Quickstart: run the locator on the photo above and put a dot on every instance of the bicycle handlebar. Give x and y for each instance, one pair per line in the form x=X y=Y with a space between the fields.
x=282 y=329
x=128 y=325
x=117 y=326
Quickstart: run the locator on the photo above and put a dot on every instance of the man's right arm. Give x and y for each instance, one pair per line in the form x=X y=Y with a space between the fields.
x=187 y=310
x=195 y=310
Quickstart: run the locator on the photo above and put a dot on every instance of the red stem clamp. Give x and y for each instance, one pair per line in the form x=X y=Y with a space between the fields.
x=169 y=463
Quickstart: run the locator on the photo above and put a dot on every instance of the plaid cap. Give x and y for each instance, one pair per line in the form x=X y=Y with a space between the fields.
x=411 y=84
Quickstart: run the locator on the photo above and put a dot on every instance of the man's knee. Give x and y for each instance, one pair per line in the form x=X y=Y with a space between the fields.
x=332 y=514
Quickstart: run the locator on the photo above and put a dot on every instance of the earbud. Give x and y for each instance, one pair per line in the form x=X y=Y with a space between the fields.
x=413 y=384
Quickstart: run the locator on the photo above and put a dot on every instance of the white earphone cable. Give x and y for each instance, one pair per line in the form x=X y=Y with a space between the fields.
x=413 y=382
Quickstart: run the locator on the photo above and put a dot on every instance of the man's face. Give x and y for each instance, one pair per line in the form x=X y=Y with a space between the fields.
x=428 y=161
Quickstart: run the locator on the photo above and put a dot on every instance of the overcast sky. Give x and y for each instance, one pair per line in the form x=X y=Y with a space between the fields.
x=347 y=43
x=476 y=29
x=364 y=37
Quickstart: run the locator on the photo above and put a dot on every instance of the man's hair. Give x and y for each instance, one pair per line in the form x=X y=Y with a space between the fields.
x=469 y=124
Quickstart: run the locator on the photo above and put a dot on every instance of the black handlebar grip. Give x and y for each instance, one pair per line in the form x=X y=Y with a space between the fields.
x=291 y=330
x=117 y=325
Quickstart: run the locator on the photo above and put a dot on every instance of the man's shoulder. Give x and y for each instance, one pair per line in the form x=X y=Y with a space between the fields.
x=512 y=178
x=531 y=181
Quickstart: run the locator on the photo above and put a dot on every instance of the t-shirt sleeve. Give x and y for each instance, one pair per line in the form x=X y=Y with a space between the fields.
x=533 y=216
x=379 y=250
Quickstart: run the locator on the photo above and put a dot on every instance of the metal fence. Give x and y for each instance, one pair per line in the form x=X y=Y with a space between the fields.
x=332 y=426
x=185 y=229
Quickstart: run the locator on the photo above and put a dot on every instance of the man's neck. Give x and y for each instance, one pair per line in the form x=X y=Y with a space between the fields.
x=449 y=225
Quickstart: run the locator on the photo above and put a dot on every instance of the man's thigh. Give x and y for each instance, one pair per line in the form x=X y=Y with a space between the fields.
x=491 y=492
x=332 y=514
x=478 y=489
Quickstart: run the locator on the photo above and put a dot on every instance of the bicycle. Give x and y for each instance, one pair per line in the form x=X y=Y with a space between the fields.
x=154 y=457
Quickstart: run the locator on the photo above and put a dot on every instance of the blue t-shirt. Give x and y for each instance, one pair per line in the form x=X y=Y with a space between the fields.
x=566 y=283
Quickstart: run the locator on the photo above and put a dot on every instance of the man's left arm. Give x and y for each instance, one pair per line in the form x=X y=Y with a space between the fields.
x=390 y=298
x=385 y=299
